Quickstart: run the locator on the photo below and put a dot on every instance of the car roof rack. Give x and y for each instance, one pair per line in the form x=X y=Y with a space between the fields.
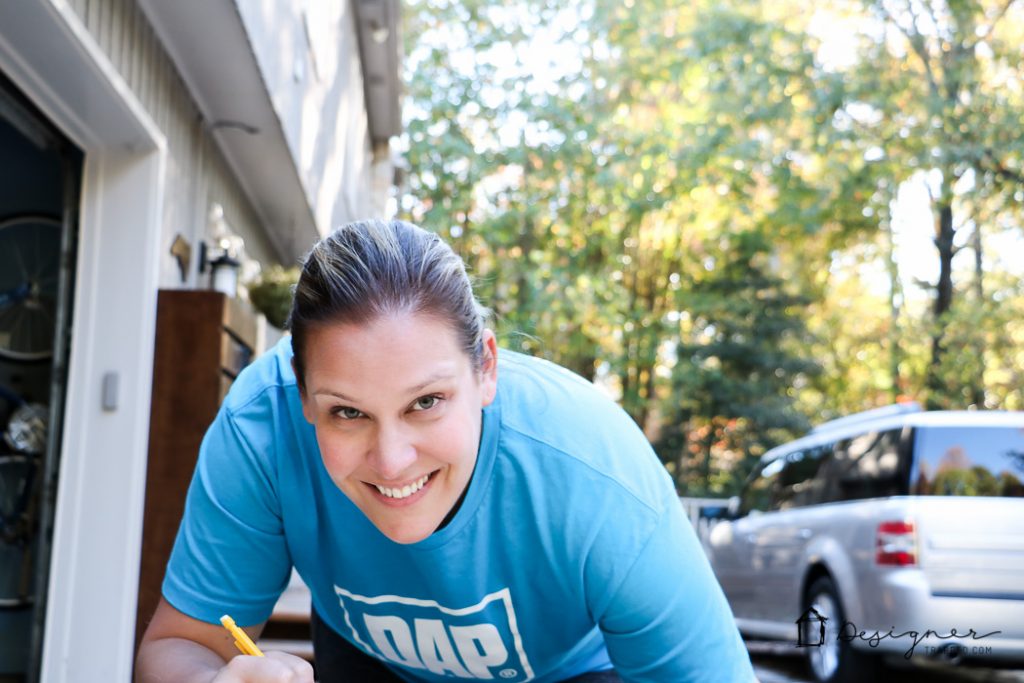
x=868 y=416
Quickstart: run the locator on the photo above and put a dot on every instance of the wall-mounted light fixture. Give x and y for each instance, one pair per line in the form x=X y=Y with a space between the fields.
x=223 y=269
x=378 y=32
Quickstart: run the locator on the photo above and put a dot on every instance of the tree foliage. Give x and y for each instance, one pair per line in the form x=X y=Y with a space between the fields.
x=689 y=204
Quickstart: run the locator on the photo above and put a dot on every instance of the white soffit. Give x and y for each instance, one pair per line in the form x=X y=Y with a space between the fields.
x=69 y=83
x=210 y=48
x=377 y=28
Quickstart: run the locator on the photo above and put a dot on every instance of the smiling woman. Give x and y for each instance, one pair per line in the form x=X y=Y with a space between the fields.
x=454 y=514
x=397 y=419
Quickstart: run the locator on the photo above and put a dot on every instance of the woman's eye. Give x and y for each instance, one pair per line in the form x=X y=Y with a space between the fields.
x=347 y=413
x=425 y=402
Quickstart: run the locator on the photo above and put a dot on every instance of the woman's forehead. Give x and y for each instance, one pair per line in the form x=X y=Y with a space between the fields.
x=402 y=352
x=385 y=326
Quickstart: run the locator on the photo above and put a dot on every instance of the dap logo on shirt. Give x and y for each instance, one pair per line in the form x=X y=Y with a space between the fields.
x=477 y=642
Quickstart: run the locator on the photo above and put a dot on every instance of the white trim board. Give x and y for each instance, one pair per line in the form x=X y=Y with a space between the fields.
x=90 y=621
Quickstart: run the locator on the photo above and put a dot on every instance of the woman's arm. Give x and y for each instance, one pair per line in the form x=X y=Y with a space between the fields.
x=177 y=647
x=668 y=619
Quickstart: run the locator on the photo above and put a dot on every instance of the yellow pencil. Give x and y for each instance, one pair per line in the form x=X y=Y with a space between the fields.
x=242 y=640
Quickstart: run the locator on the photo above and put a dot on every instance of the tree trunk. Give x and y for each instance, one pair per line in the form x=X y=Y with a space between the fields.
x=979 y=276
x=631 y=344
x=944 y=242
x=944 y=232
x=895 y=302
x=525 y=242
x=709 y=444
x=978 y=390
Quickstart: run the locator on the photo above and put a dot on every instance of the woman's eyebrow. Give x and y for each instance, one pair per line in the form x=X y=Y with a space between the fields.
x=336 y=394
x=436 y=377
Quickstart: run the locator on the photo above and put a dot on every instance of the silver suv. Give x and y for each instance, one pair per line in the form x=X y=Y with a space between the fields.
x=891 y=532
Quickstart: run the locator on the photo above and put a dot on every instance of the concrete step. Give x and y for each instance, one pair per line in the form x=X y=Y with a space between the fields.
x=299 y=648
x=287 y=629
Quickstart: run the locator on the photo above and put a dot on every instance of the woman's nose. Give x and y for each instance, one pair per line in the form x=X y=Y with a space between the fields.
x=392 y=454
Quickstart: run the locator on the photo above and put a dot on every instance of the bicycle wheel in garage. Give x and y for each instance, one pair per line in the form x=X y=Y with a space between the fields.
x=30 y=247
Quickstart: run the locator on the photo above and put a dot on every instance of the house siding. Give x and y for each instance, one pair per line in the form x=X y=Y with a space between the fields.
x=116 y=78
x=308 y=53
x=197 y=175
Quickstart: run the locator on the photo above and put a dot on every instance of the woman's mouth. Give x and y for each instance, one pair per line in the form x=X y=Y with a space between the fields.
x=403 y=494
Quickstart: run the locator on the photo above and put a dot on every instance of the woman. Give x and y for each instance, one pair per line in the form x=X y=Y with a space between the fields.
x=454 y=516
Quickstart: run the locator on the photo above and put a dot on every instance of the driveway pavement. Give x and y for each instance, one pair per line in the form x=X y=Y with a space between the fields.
x=783 y=663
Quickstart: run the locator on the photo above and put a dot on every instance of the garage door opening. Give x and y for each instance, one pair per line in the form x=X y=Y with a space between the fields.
x=40 y=182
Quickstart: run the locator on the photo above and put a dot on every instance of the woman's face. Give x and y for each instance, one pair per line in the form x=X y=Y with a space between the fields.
x=397 y=409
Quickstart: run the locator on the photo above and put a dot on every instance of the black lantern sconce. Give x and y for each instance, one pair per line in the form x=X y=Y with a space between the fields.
x=223 y=269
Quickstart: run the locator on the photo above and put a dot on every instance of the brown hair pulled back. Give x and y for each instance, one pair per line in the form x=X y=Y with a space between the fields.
x=368 y=269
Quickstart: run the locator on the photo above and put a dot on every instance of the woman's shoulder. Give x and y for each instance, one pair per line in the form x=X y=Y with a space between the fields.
x=556 y=420
x=528 y=378
x=266 y=381
x=263 y=411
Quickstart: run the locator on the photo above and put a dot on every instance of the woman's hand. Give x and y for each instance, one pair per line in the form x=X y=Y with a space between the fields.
x=179 y=649
x=276 y=667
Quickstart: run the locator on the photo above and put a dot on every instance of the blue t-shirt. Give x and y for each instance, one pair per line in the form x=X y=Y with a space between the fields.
x=569 y=553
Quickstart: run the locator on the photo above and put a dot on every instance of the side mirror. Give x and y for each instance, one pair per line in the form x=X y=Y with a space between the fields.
x=714 y=512
x=734 y=507
x=728 y=511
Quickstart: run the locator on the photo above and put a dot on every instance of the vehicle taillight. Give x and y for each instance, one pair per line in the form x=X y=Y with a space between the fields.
x=896 y=544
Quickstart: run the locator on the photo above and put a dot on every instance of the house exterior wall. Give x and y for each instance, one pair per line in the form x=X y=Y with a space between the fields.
x=96 y=495
x=197 y=175
x=153 y=170
x=309 y=56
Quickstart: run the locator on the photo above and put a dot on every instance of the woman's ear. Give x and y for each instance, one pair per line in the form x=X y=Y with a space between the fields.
x=489 y=367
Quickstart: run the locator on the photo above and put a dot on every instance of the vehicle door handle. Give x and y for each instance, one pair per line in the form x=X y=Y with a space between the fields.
x=751 y=538
x=805 y=534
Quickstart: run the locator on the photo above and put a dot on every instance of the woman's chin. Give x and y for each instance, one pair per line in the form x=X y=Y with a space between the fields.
x=403 y=525
x=404 y=533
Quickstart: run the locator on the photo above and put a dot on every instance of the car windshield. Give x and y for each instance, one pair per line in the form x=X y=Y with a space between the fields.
x=969 y=461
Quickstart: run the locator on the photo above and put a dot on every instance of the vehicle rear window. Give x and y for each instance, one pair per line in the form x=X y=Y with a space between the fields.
x=969 y=461
x=866 y=466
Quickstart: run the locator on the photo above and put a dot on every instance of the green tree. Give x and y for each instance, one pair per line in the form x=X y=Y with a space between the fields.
x=932 y=74
x=734 y=386
x=688 y=204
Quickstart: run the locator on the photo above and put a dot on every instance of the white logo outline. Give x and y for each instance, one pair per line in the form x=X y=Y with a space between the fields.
x=504 y=595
